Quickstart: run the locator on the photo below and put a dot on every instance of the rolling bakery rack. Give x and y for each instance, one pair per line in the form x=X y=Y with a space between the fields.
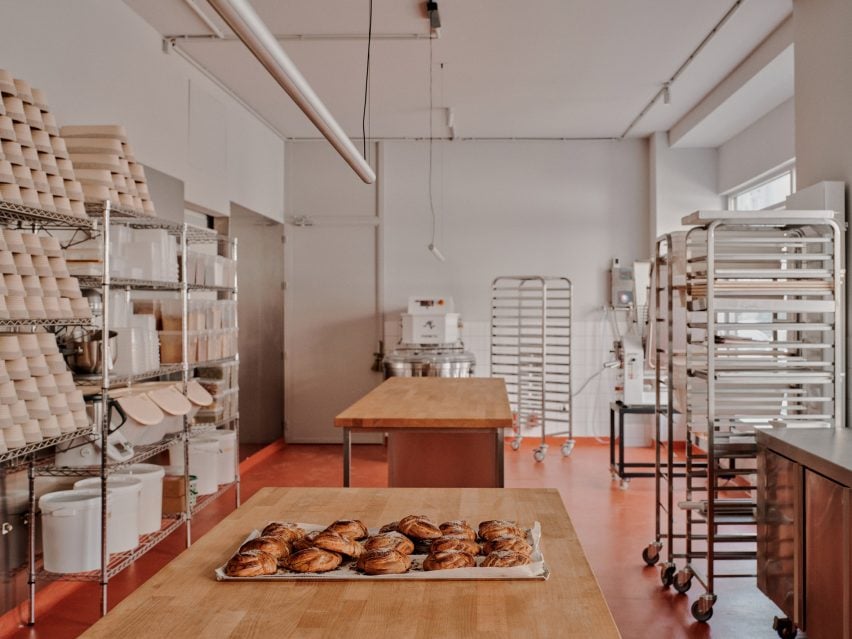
x=102 y=218
x=531 y=351
x=761 y=316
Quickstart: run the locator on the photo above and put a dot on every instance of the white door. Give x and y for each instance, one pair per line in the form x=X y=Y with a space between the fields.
x=331 y=323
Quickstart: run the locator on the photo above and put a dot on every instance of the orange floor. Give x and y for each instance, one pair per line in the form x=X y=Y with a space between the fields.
x=613 y=524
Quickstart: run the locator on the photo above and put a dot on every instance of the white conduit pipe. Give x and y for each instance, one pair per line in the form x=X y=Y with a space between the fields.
x=247 y=25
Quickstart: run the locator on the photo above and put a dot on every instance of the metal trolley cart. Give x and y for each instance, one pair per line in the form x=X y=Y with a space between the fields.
x=763 y=297
x=531 y=350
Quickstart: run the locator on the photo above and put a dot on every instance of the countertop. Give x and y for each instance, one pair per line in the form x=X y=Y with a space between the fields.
x=431 y=402
x=184 y=601
x=826 y=451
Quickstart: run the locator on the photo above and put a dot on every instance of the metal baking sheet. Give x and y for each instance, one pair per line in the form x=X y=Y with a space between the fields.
x=537 y=570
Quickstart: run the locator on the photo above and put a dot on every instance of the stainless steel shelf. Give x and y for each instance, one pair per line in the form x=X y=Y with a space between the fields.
x=203 y=501
x=216 y=289
x=206 y=427
x=79 y=321
x=142 y=453
x=214 y=362
x=95 y=282
x=120 y=561
x=29 y=449
x=133 y=219
x=11 y=212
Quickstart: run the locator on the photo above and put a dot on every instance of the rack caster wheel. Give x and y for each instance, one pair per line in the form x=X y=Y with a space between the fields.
x=625 y=484
x=702 y=609
x=567 y=448
x=539 y=454
x=667 y=573
x=683 y=581
x=651 y=554
x=516 y=444
x=785 y=628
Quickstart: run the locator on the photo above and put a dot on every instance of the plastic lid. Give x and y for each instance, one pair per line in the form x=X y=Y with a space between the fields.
x=197 y=394
x=142 y=471
x=171 y=400
x=115 y=484
x=83 y=499
x=141 y=409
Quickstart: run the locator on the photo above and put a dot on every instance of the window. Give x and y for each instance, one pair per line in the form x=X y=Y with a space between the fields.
x=767 y=194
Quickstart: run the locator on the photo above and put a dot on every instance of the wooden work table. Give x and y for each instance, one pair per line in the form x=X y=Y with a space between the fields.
x=442 y=432
x=183 y=600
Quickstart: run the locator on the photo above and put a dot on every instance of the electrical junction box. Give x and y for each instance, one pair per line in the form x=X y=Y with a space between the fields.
x=622 y=285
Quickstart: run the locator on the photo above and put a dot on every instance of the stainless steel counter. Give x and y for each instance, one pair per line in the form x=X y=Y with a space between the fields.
x=827 y=452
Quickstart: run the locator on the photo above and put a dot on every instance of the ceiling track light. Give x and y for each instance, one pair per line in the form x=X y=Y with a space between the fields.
x=434 y=18
x=438 y=255
x=248 y=27
x=667 y=93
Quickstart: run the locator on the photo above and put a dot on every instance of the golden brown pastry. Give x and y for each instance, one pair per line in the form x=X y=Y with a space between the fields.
x=453 y=542
x=391 y=527
x=457 y=528
x=313 y=560
x=419 y=527
x=515 y=544
x=331 y=541
x=283 y=530
x=274 y=546
x=449 y=559
x=307 y=541
x=390 y=541
x=349 y=528
x=494 y=528
x=505 y=559
x=251 y=563
x=384 y=562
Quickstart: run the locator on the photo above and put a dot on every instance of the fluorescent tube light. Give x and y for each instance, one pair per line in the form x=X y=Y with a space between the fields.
x=247 y=25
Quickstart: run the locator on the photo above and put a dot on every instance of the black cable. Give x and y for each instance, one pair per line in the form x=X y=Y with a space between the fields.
x=429 y=172
x=367 y=83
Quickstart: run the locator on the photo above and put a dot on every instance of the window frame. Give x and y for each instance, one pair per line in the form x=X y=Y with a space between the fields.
x=787 y=168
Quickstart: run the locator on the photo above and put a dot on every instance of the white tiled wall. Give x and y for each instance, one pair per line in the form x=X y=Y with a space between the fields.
x=591 y=346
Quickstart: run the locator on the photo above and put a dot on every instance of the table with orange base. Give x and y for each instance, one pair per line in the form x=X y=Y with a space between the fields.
x=184 y=600
x=442 y=432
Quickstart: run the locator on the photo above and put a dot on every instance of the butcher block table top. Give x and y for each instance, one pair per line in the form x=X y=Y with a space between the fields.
x=431 y=402
x=184 y=601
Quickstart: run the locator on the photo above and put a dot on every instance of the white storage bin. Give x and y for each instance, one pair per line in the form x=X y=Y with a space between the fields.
x=144 y=423
x=123 y=495
x=227 y=454
x=203 y=462
x=71 y=530
x=151 y=499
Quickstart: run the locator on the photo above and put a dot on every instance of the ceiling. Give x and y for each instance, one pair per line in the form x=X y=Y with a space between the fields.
x=541 y=69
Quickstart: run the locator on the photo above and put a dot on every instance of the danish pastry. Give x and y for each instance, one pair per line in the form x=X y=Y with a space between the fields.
x=494 y=528
x=458 y=528
x=283 y=530
x=313 y=560
x=391 y=527
x=505 y=559
x=452 y=542
x=306 y=542
x=390 y=541
x=349 y=528
x=449 y=559
x=384 y=562
x=331 y=541
x=419 y=527
x=251 y=563
x=274 y=546
x=515 y=544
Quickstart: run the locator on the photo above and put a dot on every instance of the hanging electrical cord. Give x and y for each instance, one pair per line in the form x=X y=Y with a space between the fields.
x=367 y=84
x=433 y=248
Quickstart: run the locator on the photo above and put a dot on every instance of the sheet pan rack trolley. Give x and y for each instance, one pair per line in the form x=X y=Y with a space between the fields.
x=531 y=351
x=764 y=301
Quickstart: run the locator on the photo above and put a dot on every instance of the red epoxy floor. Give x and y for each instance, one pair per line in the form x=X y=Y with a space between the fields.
x=613 y=524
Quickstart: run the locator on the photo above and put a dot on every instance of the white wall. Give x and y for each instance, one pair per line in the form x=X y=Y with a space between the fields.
x=681 y=181
x=99 y=62
x=759 y=149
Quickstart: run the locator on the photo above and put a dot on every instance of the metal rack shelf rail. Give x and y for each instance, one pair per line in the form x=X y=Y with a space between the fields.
x=531 y=351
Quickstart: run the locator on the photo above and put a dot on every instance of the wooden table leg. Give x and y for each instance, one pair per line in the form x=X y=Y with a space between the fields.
x=347 y=457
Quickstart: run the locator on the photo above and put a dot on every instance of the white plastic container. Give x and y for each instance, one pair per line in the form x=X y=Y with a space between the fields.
x=123 y=496
x=71 y=530
x=151 y=499
x=227 y=454
x=203 y=462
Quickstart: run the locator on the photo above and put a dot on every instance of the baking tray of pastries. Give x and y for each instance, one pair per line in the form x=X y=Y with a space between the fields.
x=413 y=548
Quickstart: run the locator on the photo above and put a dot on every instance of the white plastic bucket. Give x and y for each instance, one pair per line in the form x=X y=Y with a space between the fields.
x=151 y=499
x=71 y=530
x=123 y=495
x=203 y=462
x=227 y=454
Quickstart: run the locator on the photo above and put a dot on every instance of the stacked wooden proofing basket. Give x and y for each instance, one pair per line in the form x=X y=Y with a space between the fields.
x=35 y=169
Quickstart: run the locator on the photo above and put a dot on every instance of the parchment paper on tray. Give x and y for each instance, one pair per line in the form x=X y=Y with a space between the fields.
x=537 y=570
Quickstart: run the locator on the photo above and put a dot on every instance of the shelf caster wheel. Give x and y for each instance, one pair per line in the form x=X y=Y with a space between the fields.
x=785 y=628
x=651 y=554
x=683 y=581
x=539 y=454
x=567 y=448
x=516 y=444
x=667 y=573
x=702 y=609
x=625 y=484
